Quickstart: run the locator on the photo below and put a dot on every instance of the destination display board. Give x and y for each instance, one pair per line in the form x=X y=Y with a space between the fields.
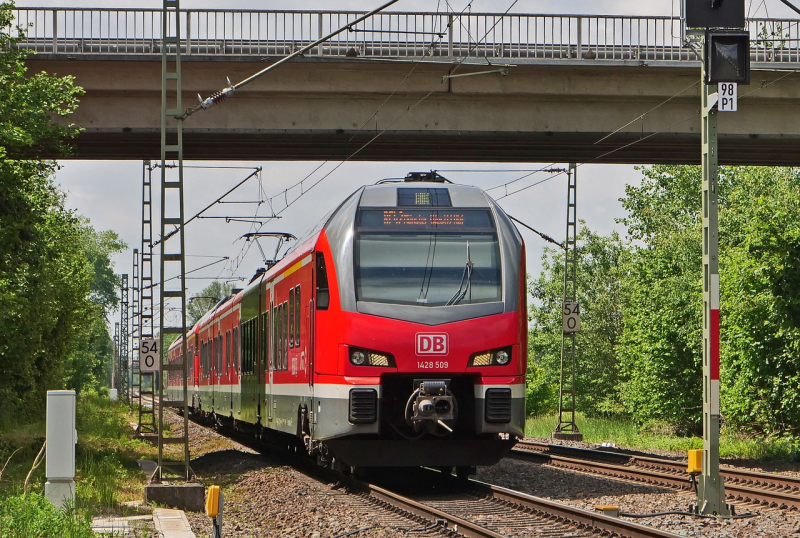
x=425 y=220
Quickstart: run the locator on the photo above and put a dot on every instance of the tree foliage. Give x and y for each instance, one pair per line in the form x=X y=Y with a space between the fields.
x=205 y=300
x=601 y=261
x=760 y=305
x=28 y=104
x=640 y=348
x=54 y=268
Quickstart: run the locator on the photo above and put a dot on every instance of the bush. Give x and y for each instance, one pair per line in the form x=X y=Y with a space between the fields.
x=540 y=397
x=33 y=516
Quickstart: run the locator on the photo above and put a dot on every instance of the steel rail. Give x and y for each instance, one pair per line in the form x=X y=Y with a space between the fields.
x=775 y=491
x=615 y=526
x=450 y=524
x=448 y=521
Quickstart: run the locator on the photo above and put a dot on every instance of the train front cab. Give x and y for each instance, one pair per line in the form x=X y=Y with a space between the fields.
x=421 y=348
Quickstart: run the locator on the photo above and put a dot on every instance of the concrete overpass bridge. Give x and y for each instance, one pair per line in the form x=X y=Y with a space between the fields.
x=604 y=89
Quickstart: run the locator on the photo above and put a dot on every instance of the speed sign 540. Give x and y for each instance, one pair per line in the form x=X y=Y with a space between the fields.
x=571 y=320
x=148 y=355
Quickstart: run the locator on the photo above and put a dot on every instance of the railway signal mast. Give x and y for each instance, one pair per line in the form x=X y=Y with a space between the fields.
x=725 y=50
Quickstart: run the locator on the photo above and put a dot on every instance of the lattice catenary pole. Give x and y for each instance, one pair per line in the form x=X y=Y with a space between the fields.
x=172 y=242
x=567 y=428
x=145 y=382
x=136 y=332
x=123 y=339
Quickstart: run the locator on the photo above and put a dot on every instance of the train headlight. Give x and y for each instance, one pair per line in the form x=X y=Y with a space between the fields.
x=483 y=359
x=502 y=357
x=365 y=357
x=376 y=359
x=358 y=357
x=494 y=357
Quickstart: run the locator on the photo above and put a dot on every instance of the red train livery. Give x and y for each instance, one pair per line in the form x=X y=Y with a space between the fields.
x=393 y=334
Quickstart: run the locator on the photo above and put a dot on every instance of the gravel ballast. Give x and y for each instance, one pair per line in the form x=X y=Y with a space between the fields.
x=264 y=498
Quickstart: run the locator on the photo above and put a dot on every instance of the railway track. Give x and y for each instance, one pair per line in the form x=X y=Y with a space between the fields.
x=471 y=508
x=494 y=512
x=774 y=491
x=476 y=509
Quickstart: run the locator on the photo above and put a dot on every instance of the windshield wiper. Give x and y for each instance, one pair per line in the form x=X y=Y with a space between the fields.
x=428 y=273
x=466 y=278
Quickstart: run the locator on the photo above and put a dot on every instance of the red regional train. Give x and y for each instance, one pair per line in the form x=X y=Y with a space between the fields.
x=393 y=334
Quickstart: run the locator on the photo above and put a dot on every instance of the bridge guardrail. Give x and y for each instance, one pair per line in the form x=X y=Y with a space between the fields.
x=388 y=35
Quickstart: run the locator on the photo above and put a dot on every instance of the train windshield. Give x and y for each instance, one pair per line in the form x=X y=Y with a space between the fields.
x=427 y=257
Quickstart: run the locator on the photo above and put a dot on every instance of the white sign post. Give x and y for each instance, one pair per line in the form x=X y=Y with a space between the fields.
x=728 y=96
x=148 y=355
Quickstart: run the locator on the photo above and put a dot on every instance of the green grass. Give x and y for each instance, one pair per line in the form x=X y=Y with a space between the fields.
x=106 y=470
x=626 y=434
x=33 y=516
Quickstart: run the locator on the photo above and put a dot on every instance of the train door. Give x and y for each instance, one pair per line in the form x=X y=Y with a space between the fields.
x=269 y=356
x=236 y=363
x=310 y=344
x=196 y=362
x=214 y=381
x=250 y=408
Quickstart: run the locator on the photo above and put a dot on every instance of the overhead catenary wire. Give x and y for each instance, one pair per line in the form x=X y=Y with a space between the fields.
x=245 y=249
x=639 y=140
x=231 y=89
x=537 y=232
x=209 y=206
x=154 y=284
x=642 y=116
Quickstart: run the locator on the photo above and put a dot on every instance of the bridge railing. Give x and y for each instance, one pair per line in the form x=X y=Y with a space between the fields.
x=387 y=35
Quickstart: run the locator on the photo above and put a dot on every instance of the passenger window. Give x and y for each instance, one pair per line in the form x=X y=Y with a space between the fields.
x=297 y=311
x=291 y=318
x=219 y=355
x=203 y=351
x=282 y=335
x=323 y=294
x=227 y=352
x=235 y=360
x=285 y=336
x=254 y=344
x=274 y=357
x=246 y=348
x=264 y=337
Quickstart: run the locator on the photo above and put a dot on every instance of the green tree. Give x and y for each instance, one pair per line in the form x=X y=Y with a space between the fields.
x=660 y=349
x=760 y=305
x=601 y=270
x=29 y=103
x=43 y=281
x=759 y=262
x=89 y=362
x=205 y=300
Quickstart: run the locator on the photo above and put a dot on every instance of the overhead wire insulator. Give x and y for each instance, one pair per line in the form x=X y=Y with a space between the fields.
x=221 y=95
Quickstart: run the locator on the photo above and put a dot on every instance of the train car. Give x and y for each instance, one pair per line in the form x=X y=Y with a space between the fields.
x=393 y=334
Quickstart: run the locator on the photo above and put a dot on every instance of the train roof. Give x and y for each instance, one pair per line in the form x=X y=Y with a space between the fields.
x=421 y=194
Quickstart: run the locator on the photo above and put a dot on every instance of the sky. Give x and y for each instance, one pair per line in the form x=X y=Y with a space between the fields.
x=109 y=193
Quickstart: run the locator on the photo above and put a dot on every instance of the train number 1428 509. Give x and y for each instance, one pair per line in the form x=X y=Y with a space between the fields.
x=432 y=365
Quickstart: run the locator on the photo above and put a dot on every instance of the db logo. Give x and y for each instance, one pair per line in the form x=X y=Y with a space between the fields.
x=431 y=343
